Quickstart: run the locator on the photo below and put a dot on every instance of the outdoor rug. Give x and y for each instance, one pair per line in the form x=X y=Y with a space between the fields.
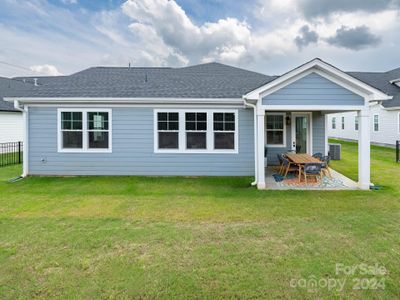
x=325 y=183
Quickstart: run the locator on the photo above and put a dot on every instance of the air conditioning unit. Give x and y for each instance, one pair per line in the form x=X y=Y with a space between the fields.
x=335 y=151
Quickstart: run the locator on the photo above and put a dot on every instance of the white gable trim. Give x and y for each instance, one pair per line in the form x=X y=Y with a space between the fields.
x=327 y=71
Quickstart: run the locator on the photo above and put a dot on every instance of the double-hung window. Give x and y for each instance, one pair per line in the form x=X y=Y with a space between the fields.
x=196 y=131
x=224 y=131
x=356 y=123
x=71 y=130
x=275 y=129
x=376 y=123
x=334 y=123
x=84 y=130
x=168 y=130
x=98 y=130
x=343 y=123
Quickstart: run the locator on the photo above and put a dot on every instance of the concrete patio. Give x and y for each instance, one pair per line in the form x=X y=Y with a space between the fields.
x=337 y=182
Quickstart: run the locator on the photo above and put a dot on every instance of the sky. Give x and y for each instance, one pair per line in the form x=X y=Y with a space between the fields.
x=60 y=37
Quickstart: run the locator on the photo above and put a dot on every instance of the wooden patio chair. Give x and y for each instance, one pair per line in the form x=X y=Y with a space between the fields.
x=288 y=166
x=280 y=159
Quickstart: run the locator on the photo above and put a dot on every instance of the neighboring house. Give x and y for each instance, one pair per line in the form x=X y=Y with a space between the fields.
x=204 y=120
x=11 y=124
x=385 y=116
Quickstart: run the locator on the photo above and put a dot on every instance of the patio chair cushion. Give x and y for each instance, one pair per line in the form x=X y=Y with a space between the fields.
x=312 y=168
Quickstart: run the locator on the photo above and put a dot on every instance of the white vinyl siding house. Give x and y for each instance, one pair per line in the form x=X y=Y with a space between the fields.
x=11 y=120
x=11 y=126
x=385 y=127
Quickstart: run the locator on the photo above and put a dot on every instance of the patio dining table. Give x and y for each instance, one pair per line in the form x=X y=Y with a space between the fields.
x=301 y=159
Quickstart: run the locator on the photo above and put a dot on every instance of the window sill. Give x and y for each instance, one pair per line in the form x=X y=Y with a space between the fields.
x=276 y=146
x=175 y=151
x=84 y=151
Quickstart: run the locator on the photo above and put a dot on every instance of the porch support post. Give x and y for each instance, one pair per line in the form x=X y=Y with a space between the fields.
x=326 y=134
x=364 y=141
x=260 y=149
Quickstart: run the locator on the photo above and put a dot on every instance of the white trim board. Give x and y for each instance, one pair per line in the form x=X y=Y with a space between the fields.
x=116 y=100
x=160 y=106
x=307 y=108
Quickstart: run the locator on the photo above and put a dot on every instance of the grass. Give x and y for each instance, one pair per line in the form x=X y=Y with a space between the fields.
x=183 y=238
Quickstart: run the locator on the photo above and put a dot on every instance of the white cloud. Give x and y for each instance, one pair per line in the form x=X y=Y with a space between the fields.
x=46 y=70
x=69 y=1
x=166 y=22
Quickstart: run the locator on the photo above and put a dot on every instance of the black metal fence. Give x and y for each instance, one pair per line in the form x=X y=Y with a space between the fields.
x=10 y=153
x=397 y=151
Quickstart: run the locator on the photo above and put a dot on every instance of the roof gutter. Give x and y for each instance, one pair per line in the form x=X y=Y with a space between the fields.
x=18 y=106
x=247 y=104
x=119 y=100
x=24 y=110
x=391 y=108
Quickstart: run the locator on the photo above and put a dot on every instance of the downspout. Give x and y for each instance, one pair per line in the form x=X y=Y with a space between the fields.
x=255 y=140
x=24 y=110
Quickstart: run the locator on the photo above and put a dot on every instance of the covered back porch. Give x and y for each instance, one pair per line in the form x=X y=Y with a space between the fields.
x=291 y=115
x=305 y=133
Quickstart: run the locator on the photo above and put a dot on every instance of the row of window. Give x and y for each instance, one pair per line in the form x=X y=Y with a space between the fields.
x=82 y=130
x=375 y=123
x=196 y=131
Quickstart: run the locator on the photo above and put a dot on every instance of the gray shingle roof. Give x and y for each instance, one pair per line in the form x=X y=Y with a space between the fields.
x=381 y=81
x=211 y=80
x=11 y=87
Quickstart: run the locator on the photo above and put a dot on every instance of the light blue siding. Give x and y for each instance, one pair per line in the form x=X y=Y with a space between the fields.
x=318 y=132
x=132 y=149
x=313 y=89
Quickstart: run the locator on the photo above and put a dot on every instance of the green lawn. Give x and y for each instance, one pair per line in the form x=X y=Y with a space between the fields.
x=183 y=238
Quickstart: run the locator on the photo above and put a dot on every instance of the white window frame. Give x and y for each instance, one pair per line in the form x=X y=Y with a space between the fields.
x=342 y=123
x=85 y=131
x=373 y=123
x=196 y=131
x=223 y=131
x=333 y=123
x=284 y=129
x=163 y=130
x=356 y=123
x=209 y=133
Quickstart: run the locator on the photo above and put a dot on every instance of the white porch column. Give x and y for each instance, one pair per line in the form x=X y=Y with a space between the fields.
x=260 y=149
x=326 y=134
x=364 y=141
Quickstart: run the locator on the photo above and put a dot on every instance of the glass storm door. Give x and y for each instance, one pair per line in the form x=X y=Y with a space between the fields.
x=301 y=131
